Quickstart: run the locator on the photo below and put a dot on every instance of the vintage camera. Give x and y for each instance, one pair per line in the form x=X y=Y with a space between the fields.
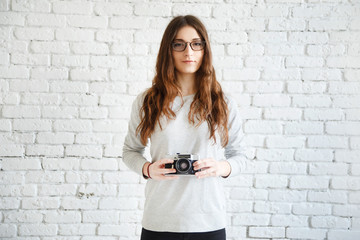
x=183 y=163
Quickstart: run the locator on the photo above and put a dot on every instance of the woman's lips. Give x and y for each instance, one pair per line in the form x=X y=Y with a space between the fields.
x=188 y=61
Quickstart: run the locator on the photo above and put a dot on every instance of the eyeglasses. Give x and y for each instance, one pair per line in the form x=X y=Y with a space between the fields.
x=181 y=46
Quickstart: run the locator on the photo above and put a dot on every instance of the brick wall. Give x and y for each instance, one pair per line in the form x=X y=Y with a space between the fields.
x=69 y=71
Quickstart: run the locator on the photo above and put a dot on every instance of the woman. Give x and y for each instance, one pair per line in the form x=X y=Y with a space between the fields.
x=185 y=111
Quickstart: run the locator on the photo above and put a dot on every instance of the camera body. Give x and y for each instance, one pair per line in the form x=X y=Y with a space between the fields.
x=183 y=164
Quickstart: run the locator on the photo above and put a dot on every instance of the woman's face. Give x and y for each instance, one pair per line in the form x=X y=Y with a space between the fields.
x=187 y=61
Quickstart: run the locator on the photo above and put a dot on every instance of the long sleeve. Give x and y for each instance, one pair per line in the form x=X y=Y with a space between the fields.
x=133 y=150
x=233 y=150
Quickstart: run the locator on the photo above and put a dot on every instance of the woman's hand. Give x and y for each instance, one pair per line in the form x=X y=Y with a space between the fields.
x=211 y=168
x=157 y=170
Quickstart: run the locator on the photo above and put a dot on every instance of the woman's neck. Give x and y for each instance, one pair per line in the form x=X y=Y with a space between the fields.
x=186 y=83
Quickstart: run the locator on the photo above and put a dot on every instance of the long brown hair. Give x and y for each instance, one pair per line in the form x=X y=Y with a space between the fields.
x=208 y=105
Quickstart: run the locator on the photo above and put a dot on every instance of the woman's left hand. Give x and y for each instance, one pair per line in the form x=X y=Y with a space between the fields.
x=211 y=168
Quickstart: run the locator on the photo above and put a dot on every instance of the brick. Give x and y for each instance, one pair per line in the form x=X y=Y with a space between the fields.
x=305 y=233
x=309 y=182
x=264 y=62
x=273 y=208
x=84 y=74
x=348 y=210
x=354 y=197
x=21 y=164
x=343 y=234
x=113 y=8
x=8 y=230
x=9 y=203
x=117 y=36
x=275 y=154
x=244 y=49
x=57 y=190
x=11 y=178
x=14 y=72
x=241 y=11
x=201 y=10
x=345 y=101
x=62 y=217
x=74 y=35
x=347 y=183
x=263 y=127
x=270 y=232
x=229 y=37
x=248 y=194
x=73 y=125
x=328 y=196
x=108 y=62
x=44 y=176
x=44 y=150
x=61 y=163
x=270 y=11
x=244 y=74
x=342 y=128
x=90 y=48
x=102 y=164
x=83 y=151
x=31 y=6
x=285 y=49
x=87 y=21
x=83 y=177
x=264 y=87
x=282 y=24
x=352 y=75
x=30 y=59
x=285 y=142
x=41 y=203
x=251 y=219
x=288 y=168
x=103 y=217
x=13 y=150
x=314 y=74
x=271 y=100
x=47 y=20
x=33 y=33
x=77 y=229
x=346 y=88
x=311 y=101
x=355 y=169
x=118 y=203
x=289 y=221
x=72 y=203
x=328 y=169
x=328 y=24
x=308 y=37
x=12 y=18
x=304 y=127
x=72 y=8
x=283 y=114
x=323 y=114
x=326 y=50
x=69 y=61
x=327 y=142
x=23 y=217
x=271 y=181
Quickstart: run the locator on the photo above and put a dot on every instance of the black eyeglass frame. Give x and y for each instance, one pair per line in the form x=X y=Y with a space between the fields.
x=186 y=44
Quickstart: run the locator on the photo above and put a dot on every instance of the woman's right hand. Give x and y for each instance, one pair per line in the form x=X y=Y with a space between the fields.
x=158 y=171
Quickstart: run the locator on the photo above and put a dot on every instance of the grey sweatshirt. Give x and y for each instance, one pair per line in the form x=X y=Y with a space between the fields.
x=186 y=204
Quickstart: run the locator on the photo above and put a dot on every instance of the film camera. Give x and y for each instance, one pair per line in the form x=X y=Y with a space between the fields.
x=183 y=163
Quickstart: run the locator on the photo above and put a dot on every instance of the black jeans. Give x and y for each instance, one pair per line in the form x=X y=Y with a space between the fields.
x=214 y=235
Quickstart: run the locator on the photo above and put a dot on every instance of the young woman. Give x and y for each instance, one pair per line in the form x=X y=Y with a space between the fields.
x=185 y=111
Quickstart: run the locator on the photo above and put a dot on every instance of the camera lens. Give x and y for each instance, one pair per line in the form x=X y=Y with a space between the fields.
x=183 y=165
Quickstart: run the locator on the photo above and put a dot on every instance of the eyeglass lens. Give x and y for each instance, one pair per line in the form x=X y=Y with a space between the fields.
x=181 y=46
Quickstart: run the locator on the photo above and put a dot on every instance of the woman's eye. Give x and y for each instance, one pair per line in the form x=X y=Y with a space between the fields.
x=178 y=44
x=197 y=43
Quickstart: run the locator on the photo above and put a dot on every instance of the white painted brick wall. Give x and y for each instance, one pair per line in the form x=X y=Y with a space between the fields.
x=69 y=71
